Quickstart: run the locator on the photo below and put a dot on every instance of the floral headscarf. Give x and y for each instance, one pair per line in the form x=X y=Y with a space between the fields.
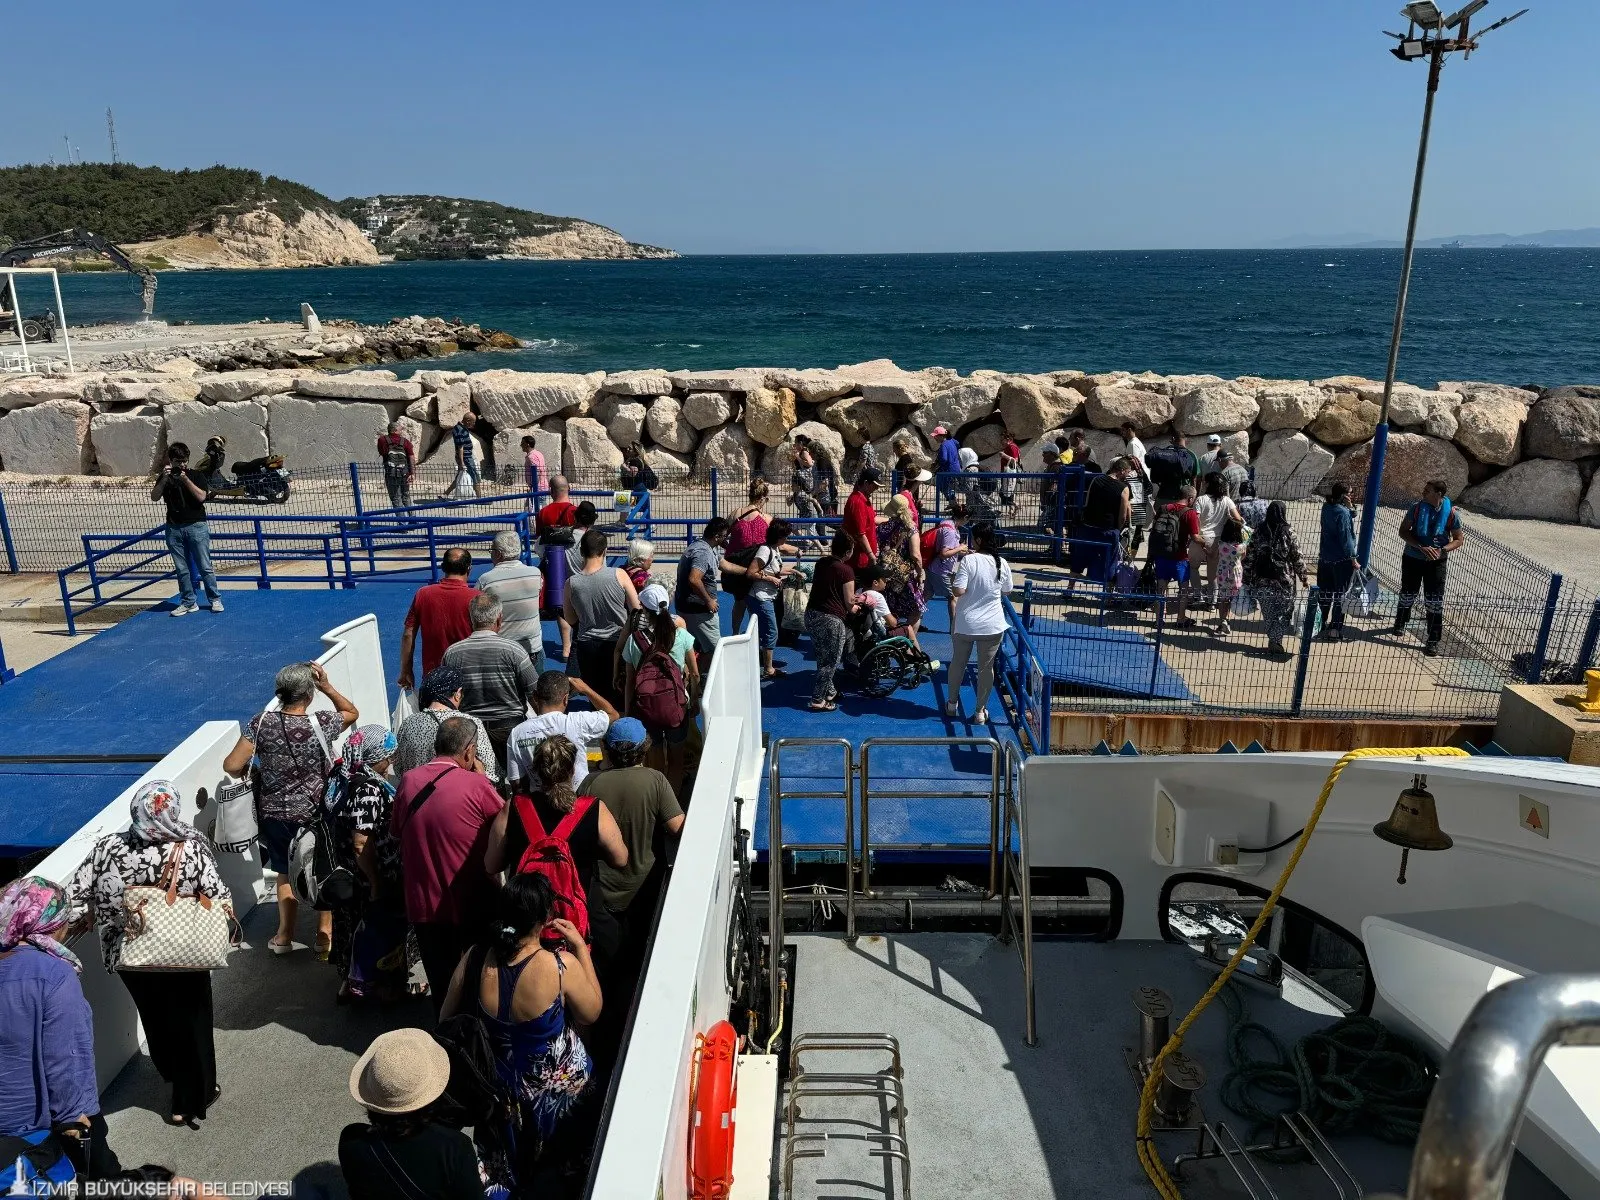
x=155 y=811
x=363 y=749
x=32 y=911
x=438 y=685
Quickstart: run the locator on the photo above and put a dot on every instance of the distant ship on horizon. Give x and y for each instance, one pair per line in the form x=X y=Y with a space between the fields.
x=1455 y=245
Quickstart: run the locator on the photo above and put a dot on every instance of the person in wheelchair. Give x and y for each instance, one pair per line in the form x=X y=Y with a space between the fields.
x=882 y=658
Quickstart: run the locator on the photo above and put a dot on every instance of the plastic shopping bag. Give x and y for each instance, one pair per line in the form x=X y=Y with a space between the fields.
x=404 y=707
x=1244 y=604
x=462 y=489
x=1361 y=597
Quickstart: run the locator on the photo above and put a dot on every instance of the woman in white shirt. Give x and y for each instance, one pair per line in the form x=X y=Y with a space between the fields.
x=981 y=581
x=1214 y=509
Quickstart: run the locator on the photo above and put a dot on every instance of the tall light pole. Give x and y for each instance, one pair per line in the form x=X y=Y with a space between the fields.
x=1429 y=35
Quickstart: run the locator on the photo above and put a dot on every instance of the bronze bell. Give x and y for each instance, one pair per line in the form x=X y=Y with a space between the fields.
x=1414 y=824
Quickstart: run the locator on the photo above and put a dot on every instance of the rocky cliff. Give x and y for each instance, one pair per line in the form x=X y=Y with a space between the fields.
x=582 y=240
x=260 y=237
x=450 y=227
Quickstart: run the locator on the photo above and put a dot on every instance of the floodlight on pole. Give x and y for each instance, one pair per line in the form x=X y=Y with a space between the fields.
x=1433 y=46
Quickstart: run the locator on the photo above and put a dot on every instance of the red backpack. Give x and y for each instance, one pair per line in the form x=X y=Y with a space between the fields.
x=550 y=855
x=660 y=698
x=930 y=542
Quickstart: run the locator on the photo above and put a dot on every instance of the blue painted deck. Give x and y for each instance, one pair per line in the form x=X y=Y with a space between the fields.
x=906 y=817
x=1118 y=662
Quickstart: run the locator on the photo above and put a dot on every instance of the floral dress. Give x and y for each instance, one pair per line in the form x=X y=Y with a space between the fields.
x=367 y=805
x=120 y=861
x=896 y=556
x=545 y=1066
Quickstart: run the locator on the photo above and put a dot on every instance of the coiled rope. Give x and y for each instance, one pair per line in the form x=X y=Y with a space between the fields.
x=1353 y=1076
x=1149 y=1156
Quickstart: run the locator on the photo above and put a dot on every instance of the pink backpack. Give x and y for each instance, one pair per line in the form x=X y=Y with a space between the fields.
x=749 y=530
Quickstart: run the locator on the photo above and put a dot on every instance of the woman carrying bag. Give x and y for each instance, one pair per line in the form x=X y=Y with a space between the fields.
x=164 y=917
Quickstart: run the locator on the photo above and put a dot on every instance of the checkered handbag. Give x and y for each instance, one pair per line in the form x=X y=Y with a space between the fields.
x=163 y=931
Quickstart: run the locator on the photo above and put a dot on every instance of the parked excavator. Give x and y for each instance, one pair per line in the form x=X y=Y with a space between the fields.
x=41 y=327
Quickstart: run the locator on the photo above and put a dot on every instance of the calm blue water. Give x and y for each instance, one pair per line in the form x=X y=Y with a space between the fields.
x=1530 y=315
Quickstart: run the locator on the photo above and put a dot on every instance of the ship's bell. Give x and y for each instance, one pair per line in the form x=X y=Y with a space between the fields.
x=1414 y=823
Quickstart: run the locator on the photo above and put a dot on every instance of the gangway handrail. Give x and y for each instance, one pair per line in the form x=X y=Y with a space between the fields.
x=995 y=758
x=1015 y=871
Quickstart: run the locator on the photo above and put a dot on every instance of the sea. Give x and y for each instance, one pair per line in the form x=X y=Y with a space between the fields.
x=1522 y=315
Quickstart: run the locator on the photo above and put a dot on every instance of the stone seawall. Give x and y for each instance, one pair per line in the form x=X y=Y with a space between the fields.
x=1504 y=451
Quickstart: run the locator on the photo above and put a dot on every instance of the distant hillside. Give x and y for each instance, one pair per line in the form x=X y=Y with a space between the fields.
x=215 y=217
x=1470 y=241
x=437 y=227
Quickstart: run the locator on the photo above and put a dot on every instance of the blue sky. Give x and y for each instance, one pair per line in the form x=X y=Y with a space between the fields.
x=864 y=126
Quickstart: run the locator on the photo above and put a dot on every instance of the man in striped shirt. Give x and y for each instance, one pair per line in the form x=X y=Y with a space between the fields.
x=467 y=451
x=517 y=586
x=497 y=677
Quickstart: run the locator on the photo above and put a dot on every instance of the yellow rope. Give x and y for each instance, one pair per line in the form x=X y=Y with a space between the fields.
x=1149 y=1157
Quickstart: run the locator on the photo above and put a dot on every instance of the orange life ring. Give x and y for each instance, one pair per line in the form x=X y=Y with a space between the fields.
x=716 y=1094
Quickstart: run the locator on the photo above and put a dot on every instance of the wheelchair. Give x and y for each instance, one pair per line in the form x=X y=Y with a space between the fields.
x=885 y=665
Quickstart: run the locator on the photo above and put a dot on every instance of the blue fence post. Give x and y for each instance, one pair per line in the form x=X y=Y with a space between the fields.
x=6 y=673
x=5 y=531
x=1155 y=659
x=714 y=511
x=66 y=603
x=1591 y=638
x=355 y=487
x=265 y=582
x=1302 y=665
x=344 y=546
x=1542 y=646
x=433 y=555
x=1060 y=531
x=525 y=532
x=327 y=558
x=1044 y=716
x=1027 y=604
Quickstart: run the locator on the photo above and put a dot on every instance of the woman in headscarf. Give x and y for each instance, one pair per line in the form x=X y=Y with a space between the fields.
x=900 y=556
x=980 y=493
x=174 y=1006
x=439 y=698
x=369 y=936
x=1271 y=566
x=48 y=1095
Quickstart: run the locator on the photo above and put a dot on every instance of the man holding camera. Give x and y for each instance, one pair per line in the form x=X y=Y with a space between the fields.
x=188 y=535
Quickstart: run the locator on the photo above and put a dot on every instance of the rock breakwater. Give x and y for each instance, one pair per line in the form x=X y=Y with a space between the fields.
x=1504 y=451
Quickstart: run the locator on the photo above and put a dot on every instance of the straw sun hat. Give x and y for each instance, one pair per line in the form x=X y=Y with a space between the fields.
x=402 y=1071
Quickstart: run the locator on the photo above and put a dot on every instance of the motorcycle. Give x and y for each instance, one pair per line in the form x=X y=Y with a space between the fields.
x=255 y=481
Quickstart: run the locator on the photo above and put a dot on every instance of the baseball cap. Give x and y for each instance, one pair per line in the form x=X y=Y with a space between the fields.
x=870 y=475
x=922 y=476
x=629 y=731
x=1214 y=440
x=653 y=597
x=940 y=431
x=1050 y=450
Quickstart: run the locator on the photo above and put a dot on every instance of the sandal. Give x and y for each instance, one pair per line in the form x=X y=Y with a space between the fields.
x=825 y=706
x=280 y=948
x=324 y=946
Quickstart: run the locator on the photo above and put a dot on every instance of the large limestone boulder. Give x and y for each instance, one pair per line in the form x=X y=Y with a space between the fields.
x=985 y=440
x=590 y=452
x=769 y=414
x=1107 y=407
x=1033 y=449
x=778 y=461
x=359 y=385
x=1473 y=390
x=885 y=446
x=1443 y=416
x=968 y=401
x=707 y=410
x=1345 y=420
x=1216 y=408
x=1408 y=403
x=243 y=424
x=229 y=387
x=637 y=383
x=1175 y=385
x=1412 y=460
x=1289 y=465
x=1289 y=406
x=128 y=443
x=1084 y=384
x=729 y=450
x=1029 y=407
x=182 y=367
x=669 y=427
x=452 y=402
x=743 y=379
x=322 y=433
x=424 y=411
x=1489 y=428
x=911 y=391
x=1540 y=489
x=813 y=385
x=160 y=391
x=1589 y=510
x=432 y=381
x=49 y=438
x=1564 y=423
x=669 y=467
x=858 y=421
x=626 y=423
x=28 y=390
x=518 y=398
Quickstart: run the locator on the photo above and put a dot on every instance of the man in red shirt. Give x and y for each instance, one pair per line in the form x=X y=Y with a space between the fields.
x=399 y=459
x=560 y=511
x=1169 y=551
x=440 y=611
x=441 y=820
x=861 y=519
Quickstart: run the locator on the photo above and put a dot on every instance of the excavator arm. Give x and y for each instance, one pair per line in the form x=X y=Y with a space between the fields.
x=51 y=245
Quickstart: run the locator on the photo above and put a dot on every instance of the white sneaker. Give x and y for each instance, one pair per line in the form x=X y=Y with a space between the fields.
x=216 y=605
x=952 y=709
x=183 y=610
x=981 y=717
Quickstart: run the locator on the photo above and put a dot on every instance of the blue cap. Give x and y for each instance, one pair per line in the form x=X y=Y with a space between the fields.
x=629 y=731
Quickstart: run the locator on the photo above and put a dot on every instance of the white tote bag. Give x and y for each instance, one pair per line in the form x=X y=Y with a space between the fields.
x=1361 y=597
x=236 y=827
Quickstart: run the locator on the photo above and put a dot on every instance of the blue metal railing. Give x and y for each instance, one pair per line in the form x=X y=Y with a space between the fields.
x=1024 y=677
x=5 y=535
